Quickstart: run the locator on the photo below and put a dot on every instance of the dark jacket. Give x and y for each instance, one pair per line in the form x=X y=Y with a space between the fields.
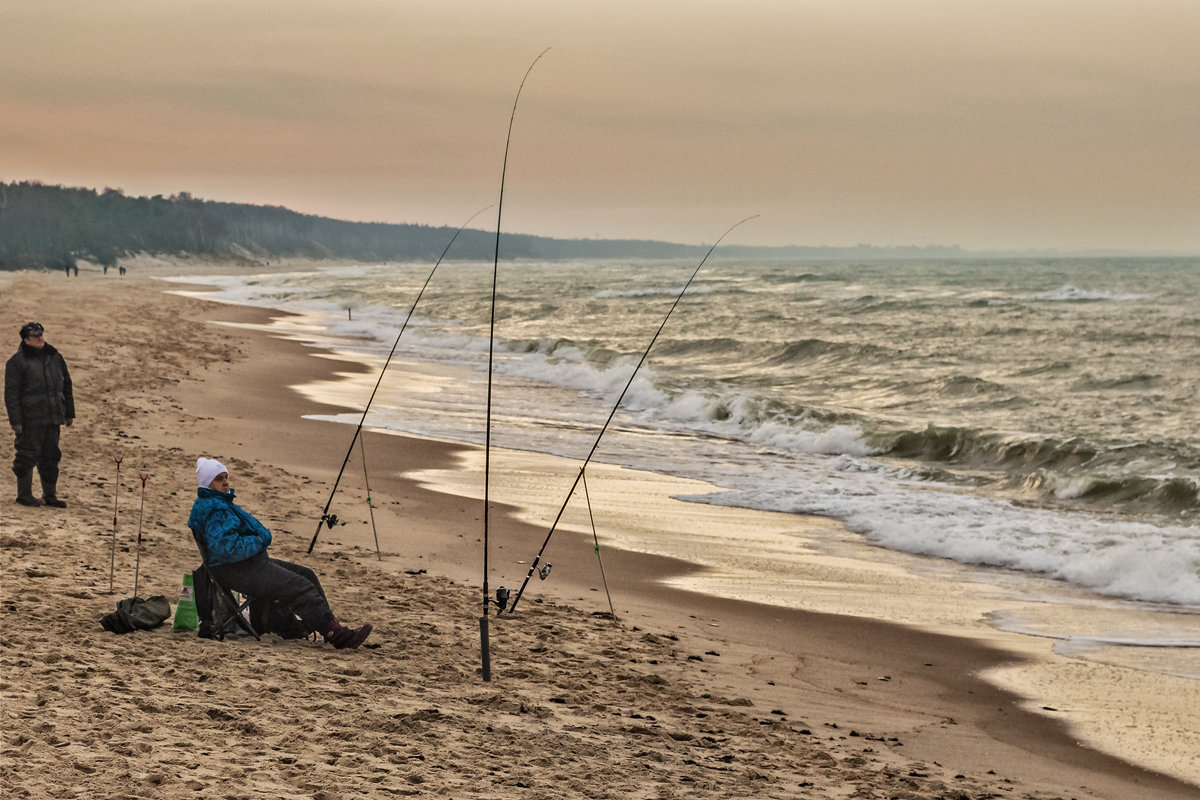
x=37 y=387
x=230 y=533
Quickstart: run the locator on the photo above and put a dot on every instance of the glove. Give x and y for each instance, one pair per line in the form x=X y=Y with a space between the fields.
x=70 y=421
x=17 y=429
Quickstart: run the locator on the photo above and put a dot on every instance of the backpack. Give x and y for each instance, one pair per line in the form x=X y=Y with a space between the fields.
x=134 y=613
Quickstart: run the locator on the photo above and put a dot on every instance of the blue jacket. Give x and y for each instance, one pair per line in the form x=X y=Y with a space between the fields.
x=230 y=534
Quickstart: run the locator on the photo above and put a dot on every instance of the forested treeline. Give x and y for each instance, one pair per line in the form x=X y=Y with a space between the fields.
x=52 y=226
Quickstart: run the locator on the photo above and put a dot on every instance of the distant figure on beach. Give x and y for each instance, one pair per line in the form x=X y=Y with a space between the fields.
x=121 y=270
x=39 y=399
x=237 y=557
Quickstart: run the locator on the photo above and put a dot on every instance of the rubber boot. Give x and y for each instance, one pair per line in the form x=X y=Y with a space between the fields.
x=344 y=638
x=25 y=490
x=50 y=495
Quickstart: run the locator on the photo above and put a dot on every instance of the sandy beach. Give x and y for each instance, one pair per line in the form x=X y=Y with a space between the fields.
x=690 y=693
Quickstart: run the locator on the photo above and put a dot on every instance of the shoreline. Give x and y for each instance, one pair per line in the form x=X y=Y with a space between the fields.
x=804 y=572
x=828 y=672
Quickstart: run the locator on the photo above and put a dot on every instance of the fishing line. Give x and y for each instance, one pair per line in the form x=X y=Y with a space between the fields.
x=484 y=644
x=596 y=542
x=326 y=517
x=362 y=448
x=537 y=559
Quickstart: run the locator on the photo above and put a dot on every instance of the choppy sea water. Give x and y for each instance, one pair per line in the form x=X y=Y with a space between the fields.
x=1036 y=416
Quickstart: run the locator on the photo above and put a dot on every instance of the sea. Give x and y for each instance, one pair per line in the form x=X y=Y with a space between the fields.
x=1033 y=417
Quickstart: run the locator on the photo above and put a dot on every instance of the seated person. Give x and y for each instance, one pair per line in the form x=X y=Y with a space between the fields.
x=237 y=557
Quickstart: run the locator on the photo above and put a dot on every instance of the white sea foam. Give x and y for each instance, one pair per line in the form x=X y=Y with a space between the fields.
x=1122 y=559
x=1073 y=294
x=740 y=415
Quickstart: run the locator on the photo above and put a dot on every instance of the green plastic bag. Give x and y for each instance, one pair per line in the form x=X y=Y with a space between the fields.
x=185 y=610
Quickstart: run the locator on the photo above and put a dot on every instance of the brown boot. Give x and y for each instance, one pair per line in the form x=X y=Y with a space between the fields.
x=344 y=638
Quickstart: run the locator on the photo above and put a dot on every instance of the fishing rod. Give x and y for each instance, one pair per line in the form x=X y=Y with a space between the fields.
x=537 y=559
x=112 y=562
x=331 y=519
x=138 y=568
x=484 y=644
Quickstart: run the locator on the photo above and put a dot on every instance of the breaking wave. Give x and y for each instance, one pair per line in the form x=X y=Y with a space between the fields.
x=1070 y=470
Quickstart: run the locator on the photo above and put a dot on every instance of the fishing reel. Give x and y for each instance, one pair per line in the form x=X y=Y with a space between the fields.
x=330 y=519
x=501 y=600
x=544 y=572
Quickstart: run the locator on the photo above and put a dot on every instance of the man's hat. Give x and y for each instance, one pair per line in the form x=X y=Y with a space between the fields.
x=31 y=329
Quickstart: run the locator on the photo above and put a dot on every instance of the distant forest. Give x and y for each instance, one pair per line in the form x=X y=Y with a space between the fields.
x=52 y=227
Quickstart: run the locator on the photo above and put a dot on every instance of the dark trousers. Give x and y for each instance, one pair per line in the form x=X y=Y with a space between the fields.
x=37 y=446
x=271 y=580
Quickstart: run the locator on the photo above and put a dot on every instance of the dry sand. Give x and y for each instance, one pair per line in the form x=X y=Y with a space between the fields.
x=689 y=695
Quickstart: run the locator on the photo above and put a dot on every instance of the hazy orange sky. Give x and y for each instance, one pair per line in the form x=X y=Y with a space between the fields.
x=1071 y=124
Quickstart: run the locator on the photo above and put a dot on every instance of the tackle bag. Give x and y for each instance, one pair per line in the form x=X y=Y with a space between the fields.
x=134 y=613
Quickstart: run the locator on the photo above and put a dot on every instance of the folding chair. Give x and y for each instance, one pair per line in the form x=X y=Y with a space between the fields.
x=223 y=607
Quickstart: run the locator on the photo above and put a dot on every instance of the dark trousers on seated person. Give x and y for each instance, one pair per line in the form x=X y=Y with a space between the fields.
x=272 y=580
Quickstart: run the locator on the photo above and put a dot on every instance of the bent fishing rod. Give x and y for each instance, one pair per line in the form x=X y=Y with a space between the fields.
x=537 y=559
x=484 y=643
x=331 y=519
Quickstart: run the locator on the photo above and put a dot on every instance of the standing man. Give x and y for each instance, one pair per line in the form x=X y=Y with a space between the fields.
x=38 y=396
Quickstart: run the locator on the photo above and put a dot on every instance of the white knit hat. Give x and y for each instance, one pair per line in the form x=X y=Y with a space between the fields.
x=207 y=469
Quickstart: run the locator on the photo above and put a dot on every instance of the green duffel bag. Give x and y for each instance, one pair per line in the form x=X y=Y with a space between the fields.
x=134 y=613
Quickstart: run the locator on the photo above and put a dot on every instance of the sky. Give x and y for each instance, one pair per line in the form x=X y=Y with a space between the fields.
x=989 y=124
